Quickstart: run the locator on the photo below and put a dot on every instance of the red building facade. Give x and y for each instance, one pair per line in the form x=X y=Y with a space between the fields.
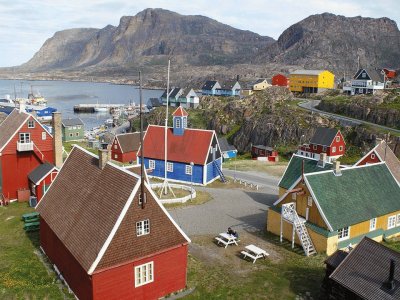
x=24 y=145
x=41 y=178
x=125 y=147
x=280 y=80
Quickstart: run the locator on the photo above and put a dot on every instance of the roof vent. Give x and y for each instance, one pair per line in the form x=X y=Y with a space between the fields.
x=391 y=285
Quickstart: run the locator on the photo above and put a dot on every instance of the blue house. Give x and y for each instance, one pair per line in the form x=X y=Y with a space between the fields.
x=210 y=87
x=228 y=151
x=230 y=88
x=193 y=155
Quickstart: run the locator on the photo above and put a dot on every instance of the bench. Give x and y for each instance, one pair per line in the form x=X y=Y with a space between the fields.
x=247 y=254
x=222 y=241
x=30 y=216
x=32 y=226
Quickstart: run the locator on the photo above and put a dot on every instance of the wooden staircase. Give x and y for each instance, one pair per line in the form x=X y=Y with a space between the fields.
x=222 y=176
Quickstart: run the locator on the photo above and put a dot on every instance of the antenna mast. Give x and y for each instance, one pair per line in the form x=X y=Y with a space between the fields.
x=142 y=178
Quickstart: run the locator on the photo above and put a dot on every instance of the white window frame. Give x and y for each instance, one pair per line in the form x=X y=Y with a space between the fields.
x=309 y=201
x=315 y=147
x=44 y=136
x=143 y=227
x=333 y=149
x=184 y=122
x=24 y=138
x=115 y=146
x=398 y=220
x=344 y=233
x=324 y=148
x=71 y=134
x=294 y=196
x=372 y=155
x=392 y=222
x=31 y=124
x=372 y=224
x=152 y=164
x=115 y=155
x=340 y=148
x=170 y=167
x=144 y=274
x=188 y=170
x=338 y=139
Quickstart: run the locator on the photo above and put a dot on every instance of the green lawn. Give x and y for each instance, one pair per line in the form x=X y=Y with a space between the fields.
x=22 y=273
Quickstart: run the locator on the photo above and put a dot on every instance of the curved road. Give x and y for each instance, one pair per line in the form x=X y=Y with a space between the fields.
x=311 y=104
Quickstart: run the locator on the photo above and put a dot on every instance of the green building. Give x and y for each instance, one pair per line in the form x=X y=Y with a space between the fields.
x=72 y=129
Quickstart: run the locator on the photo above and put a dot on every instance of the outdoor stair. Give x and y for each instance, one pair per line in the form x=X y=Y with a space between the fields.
x=38 y=153
x=222 y=176
x=303 y=235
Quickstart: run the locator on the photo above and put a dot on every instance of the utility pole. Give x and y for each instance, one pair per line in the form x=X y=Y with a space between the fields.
x=142 y=177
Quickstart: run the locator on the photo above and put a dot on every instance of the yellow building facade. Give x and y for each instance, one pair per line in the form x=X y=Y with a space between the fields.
x=311 y=81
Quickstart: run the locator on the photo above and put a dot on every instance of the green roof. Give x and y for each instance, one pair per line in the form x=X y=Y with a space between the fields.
x=294 y=169
x=359 y=194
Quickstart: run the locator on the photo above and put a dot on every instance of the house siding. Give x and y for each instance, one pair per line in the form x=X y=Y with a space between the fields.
x=311 y=83
x=370 y=159
x=119 y=282
x=77 y=133
x=212 y=171
x=280 y=80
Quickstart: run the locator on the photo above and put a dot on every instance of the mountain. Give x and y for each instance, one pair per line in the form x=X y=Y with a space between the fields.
x=149 y=38
x=335 y=42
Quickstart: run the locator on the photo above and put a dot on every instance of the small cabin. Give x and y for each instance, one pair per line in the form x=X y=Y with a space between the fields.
x=72 y=129
x=41 y=178
x=280 y=80
x=125 y=147
x=261 y=152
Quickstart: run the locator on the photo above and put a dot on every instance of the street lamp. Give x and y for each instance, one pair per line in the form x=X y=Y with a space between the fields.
x=191 y=180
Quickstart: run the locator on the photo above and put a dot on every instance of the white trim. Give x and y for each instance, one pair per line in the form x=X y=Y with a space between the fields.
x=115 y=228
x=366 y=155
x=209 y=147
x=345 y=237
x=15 y=132
x=287 y=192
x=370 y=223
x=290 y=160
x=129 y=133
x=395 y=221
x=119 y=145
x=141 y=266
x=40 y=180
x=166 y=212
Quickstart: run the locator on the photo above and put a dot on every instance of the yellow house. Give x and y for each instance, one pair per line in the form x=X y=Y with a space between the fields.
x=311 y=81
x=260 y=84
x=246 y=92
x=329 y=210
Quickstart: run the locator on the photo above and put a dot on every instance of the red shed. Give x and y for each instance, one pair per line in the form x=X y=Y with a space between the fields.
x=24 y=145
x=125 y=146
x=324 y=140
x=260 y=151
x=41 y=178
x=280 y=80
x=103 y=241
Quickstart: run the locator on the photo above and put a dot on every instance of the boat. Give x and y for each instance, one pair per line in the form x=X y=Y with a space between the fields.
x=36 y=99
x=101 y=109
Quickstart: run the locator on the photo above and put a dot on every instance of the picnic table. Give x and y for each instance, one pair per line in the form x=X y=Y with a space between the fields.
x=226 y=239
x=254 y=253
x=33 y=216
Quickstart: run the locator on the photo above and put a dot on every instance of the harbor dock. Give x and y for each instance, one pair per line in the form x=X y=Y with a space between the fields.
x=91 y=108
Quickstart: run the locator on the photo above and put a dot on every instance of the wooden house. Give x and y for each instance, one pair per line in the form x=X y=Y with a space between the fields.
x=173 y=97
x=365 y=82
x=324 y=140
x=210 y=87
x=187 y=99
x=125 y=146
x=228 y=151
x=229 y=88
x=193 y=155
x=41 y=178
x=311 y=81
x=382 y=153
x=280 y=80
x=261 y=152
x=104 y=239
x=329 y=210
x=25 y=144
x=72 y=129
x=260 y=84
x=370 y=271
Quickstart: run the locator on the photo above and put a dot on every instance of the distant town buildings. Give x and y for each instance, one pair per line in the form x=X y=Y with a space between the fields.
x=311 y=81
x=229 y=88
x=125 y=146
x=365 y=82
x=180 y=97
x=72 y=129
x=280 y=80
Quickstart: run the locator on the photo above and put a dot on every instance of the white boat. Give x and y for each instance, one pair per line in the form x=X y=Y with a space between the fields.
x=101 y=109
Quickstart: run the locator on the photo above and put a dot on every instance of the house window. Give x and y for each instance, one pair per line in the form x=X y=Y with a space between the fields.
x=44 y=136
x=115 y=146
x=333 y=149
x=293 y=196
x=188 y=170
x=324 y=149
x=115 y=156
x=70 y=135
x=372 y=224
x=309 y=201
x=152 y=164
x=178 y=123
x=24 y=138
x=31 y=124
x=373 y=156
x=391 y=222
x=398 y=220
x=184 y=122
x=78 y=127
x=315 y=147
x=338 y=139
x=170 y=167
x=74 y=127
x=143 y=227
x=77 y=133
x=340 y=148
x=344 y=233
x=144 y=274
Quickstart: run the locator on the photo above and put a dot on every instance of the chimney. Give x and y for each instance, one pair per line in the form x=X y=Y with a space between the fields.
x=390 y=284
x=237 y=77
x=336 y=168
x=57 y=140
x=322 y=160
x=104 y=155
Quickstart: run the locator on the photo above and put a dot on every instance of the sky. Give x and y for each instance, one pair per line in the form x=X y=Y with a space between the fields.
x=27 y=24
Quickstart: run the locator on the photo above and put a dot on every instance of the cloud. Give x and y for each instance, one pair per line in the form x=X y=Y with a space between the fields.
x=26 y=24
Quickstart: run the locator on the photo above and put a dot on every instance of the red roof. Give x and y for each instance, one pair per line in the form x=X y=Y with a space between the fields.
x=180 y=112
x=192 y=146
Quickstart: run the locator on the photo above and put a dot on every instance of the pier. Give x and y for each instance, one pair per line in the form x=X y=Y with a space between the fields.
x=91 y=108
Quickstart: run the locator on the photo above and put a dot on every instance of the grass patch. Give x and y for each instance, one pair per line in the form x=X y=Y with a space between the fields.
x=201 y=198
x=22 y=274
x=393 y=244
x=230 y=184
x=274 y=169
x=69 y=145
x=352 y=155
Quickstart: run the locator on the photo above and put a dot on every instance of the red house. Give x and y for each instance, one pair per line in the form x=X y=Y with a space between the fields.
x=325 y=140
x=280 y=80
x=125 y=147
x=260 y=151
x=24 y=145
x=41 y=178
x=382 y=153
x=104 y=239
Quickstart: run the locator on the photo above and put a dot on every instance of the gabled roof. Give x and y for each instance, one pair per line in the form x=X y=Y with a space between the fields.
x=261 y=80
x=10 y=126
x=180 y=112
x=228 y=85
x=294 y=169
x=336 y=258
x=263 y=147
x=72 y=122
x=324 y=136
x=192 y=146
x=129 y=142
x=359 y=194
x=373 y=74
x=209 y=85
x=107 y=137
x=307 y=72
x=366 y=268
x=385 y=154
x=224 y=145
x=41 y=171
x=93 y=212
x=155 y=102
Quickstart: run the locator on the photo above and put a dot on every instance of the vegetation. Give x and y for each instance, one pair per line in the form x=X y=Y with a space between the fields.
x=274 y=169
x=352 y=155
x=69 y=145
x=201 y=198
x=24 y=274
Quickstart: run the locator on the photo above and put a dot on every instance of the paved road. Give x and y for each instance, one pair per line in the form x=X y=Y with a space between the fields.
x=310 y=105
x=239 y=209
